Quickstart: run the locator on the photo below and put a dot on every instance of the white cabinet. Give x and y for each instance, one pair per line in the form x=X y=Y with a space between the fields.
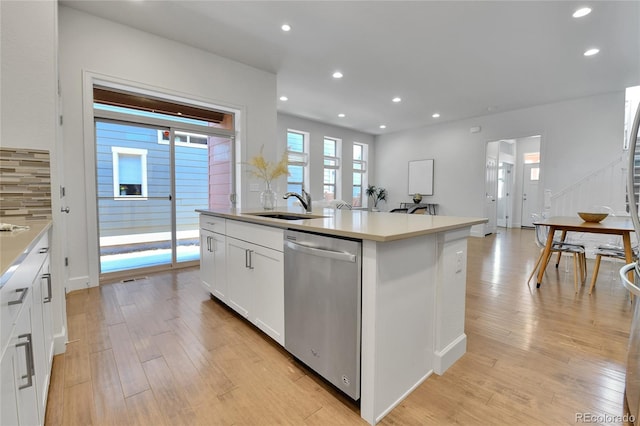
x=26 y=339
x=213 y=269
x=240 y=294
x=207 y=261
x=268 y=282
x=19 y=397
x=8 y=390
x=47 y=313
x=242 y=264
x=42 y=330
x=256 y=290
x=213 y=272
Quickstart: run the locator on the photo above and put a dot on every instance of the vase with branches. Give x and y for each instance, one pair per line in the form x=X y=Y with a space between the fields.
x=377 y=194
x=268 y=171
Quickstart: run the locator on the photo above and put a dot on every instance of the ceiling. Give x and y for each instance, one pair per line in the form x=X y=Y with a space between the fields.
x=460 y=59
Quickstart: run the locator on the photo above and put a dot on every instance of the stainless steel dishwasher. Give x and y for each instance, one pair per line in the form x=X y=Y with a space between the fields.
x=322 y=306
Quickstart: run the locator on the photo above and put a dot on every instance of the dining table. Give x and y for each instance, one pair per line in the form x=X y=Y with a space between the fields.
x=612 y=225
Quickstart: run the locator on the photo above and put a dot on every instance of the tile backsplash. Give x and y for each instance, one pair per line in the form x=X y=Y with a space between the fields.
x=25 y=184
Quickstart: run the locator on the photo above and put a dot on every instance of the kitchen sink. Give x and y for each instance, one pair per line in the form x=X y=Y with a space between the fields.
x=286 y=215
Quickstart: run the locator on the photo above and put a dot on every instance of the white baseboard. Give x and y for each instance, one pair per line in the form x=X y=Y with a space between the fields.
x=79 y=283
x=445 y=358
x=404 y=395
x=477 y=232
x=60 y=342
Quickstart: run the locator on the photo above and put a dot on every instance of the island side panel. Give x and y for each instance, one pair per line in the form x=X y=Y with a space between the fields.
x=450 y=339
x=398 y=320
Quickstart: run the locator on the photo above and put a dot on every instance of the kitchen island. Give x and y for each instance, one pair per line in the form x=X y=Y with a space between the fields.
x=413 y=289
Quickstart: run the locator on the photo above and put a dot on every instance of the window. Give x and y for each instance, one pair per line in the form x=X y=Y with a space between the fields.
x=331 y=169
x=129 y=172
x=632 y=99
x=531 y=157
x=535 y=173
x=359 y=174
x=297 y=162
x=191 y=140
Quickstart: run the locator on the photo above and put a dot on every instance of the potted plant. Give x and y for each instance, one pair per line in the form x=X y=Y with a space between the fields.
x=377 y=194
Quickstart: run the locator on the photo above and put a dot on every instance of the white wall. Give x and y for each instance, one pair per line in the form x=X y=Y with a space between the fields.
x=578 y=136
x=29 y=111
x=94 y=46
x=28 y=80
x=317 y=131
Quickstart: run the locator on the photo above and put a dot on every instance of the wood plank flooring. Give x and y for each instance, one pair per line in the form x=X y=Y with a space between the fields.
x=159 y=351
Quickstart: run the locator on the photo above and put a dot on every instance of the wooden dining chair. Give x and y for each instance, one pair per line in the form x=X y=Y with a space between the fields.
x=577 y=250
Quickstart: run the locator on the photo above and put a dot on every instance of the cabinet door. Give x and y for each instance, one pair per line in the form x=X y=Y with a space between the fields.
x=8 y=389
x=267 y=277
x=239 y=289
x=42 y=333
x=206 y=259
x=22 y=344
x=47 y=315
x=37 y=341
x=219 y=247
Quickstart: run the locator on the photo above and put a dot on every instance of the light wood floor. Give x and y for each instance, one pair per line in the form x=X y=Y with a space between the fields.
x=159 y=351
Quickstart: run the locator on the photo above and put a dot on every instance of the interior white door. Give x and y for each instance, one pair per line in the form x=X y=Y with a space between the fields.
x=505 y=188
x=491 y=188
x=530 y=193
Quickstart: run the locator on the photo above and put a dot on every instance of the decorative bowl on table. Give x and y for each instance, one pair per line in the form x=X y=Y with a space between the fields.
x=592 y=217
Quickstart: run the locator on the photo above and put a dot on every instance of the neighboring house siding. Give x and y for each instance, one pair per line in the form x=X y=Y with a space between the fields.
x=192 y=186
x=138 y=216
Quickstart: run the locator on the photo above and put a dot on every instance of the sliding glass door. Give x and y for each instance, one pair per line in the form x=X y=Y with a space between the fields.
x=191 y=176
x=150 y=181
x=134 y=196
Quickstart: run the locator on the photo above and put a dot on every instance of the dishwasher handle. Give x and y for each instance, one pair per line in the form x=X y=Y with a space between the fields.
x=330 y=254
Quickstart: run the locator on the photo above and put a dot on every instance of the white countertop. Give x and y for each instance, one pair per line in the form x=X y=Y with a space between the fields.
x=15 y=245
x=360 y=224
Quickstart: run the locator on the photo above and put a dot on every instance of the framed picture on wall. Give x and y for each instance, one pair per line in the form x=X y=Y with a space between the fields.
x=421 y=177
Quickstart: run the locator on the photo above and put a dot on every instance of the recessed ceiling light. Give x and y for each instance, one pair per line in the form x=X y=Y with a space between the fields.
x=337 y=74
x=583 y=11
x=341 y=115
x=286 y=27
x=284 y=98
x=383 y=126
x=396 y=99
x=591 y=52
x=436 y=115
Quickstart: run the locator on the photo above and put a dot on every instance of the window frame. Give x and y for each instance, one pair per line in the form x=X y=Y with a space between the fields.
x=361 y=171
x=188 y=143
x=336 y=166
x=300 y=159
x=142 y=153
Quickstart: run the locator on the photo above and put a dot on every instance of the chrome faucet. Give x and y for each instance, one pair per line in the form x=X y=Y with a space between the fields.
x=305 y=199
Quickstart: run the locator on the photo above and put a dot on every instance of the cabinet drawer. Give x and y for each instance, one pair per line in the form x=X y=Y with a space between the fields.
x=17 y=290
x=261 y=235
x=212 y=223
